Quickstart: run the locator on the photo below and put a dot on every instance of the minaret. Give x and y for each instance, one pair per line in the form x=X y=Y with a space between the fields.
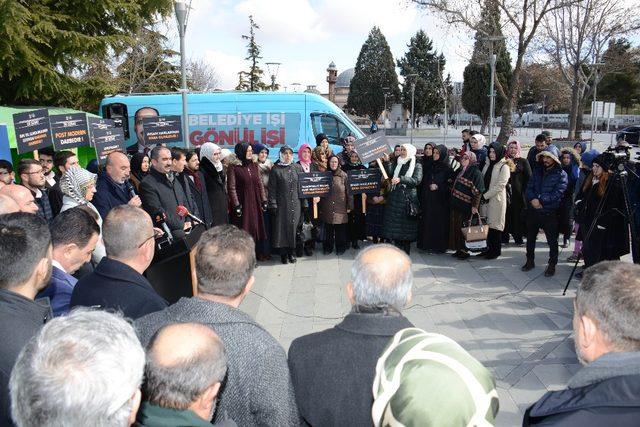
x=332 y=77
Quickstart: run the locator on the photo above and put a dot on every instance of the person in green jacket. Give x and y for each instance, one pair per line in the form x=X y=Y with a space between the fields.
x=186 y=364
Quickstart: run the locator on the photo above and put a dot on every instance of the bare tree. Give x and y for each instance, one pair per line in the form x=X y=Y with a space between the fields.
x=521 y=22
x=577 y=36
x=201 y=75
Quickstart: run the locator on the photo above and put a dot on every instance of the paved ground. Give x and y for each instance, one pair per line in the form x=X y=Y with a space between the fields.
x=518 y=324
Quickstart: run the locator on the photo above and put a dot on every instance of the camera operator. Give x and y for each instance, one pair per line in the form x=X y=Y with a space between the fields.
x=604 y=232
x=632 y=165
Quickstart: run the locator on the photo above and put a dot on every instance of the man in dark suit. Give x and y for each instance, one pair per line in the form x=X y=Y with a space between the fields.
x=74 y=235
x=332 y=371
x=140 y=145
x=117 y=282
x=162 y=193
x=63 y=161
x=113 y=187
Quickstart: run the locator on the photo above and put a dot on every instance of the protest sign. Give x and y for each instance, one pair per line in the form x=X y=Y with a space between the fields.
x=32 y=130
x=105 y=137
x=5 y=148
x=69 y=131
x=314 y=184
x=372 y=147
x=162 y=130
x=364 y=181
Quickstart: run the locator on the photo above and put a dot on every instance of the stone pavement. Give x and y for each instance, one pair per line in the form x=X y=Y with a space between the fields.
x=517 y=324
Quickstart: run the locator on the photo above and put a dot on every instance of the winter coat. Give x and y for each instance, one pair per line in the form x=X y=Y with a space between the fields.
x=548 y=186
x=467 y=190
x=397 y=224
x=519 y=179
x=496 y=195
x=159 y=194
x=434 y=224
x=216 y=183
x=246 y=190
x=334 y=207
x=200 y=196
x=109 y=194
x=481 y=156
x=284 y=205
x=99 y=252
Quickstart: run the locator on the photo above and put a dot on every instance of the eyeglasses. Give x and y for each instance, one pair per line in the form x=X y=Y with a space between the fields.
x=35 y=172
x=146 y=240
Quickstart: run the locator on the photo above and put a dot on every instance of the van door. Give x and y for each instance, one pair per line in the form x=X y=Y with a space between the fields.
x=332 y=126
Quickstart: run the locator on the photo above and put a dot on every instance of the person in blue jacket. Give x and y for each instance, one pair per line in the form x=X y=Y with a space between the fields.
x=113 y=187
x=544 y=194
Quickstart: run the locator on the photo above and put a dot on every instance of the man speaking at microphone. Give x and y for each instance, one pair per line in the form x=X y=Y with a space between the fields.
x=161 y=192
x=113 y=187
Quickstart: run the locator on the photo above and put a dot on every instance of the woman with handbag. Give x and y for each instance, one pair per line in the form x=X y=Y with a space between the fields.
x=402 y=208
x=334 y=210
x=356 y=228
x=433 y=233
x=496 y=175
x=465 y=201
x=306 y=238
x=516 y=204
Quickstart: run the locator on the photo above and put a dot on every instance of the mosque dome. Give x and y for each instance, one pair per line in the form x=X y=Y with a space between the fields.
x=344 y=78
x=312 y=89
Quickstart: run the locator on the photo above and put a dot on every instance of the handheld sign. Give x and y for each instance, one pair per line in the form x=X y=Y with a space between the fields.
x=162 y=130
x=106 y=138
x=69 y=131
x=372 y=147
x=314 y=184
x=364 y=181
x=32 y=130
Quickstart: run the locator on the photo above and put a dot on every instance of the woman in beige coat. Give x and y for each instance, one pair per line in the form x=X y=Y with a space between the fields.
x=496 y=173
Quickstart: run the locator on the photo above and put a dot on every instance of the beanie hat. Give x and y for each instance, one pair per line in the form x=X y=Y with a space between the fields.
x=320 y=137
x=588 y=157
x=603 y=161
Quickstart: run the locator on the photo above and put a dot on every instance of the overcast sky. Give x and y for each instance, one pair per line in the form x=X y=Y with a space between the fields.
x=306 y=35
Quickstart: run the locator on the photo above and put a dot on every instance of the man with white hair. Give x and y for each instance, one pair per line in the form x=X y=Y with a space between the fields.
x=84 y=369
x=332 y=371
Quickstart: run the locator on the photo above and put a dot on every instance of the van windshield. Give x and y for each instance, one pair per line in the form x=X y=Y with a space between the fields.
x=333 y=127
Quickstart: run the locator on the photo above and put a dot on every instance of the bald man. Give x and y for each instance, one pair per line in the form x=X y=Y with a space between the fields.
x=332 y=371
x=186 y=364
x=8 y=205
x=113 y=187
x=22 y=197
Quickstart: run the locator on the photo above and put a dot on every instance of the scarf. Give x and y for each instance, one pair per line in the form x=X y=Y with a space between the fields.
x=241 y=153
x=282 y=151
x=207 y=150
x=196 y=178
x=499 y=149
x=316 y=156
x=519 y=148
x=306 y=165
x=472 y=161
x=74 y=184
x=336 y=172
x=401 y=161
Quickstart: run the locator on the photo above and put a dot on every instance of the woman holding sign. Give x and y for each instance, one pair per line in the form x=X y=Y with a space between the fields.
x=400 y=213
x=356 y=228
x=334 y=210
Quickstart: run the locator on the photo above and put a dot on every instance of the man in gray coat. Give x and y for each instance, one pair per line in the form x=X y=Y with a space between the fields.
x=258 y=388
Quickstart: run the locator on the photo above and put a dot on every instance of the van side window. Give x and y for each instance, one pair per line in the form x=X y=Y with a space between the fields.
x=331 y=126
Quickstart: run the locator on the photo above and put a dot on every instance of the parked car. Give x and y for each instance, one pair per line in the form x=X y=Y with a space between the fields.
x=630 y=134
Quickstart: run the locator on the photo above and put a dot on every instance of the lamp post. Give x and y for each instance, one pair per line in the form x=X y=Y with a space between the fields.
x=181 y=16
x=492 y=91
x=272 y=68
x=594 y=105
x=295 y=86
x=385 y=92
x=413 y=93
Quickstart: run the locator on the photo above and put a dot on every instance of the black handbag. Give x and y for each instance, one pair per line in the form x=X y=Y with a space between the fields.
x=412 y=209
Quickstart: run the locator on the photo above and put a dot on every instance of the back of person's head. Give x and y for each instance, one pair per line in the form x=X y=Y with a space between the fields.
x=186 y=363
x=25 y=241
x=84 y=369
x=8 y=205
x=381 y=276
x=426 y=379
x=225 y=260
x=609 y=294
x=125 y=230
x=75 y=226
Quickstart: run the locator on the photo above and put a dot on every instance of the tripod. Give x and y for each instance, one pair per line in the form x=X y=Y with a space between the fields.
x=620 y=175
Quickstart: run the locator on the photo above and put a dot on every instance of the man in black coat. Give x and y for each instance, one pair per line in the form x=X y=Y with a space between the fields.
x=140 y=145
x=162 y=193
x=606 y=325
x=25 y=251
x=333 y=370
x=117 y=282
x=113 y=187
x=63 y=161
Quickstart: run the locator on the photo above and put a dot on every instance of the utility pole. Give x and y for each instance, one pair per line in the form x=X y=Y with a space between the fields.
x=181 y=11
x=385 y=92
x=492 y=91
x=594 y=104
x=413 y=93
x=445 y=96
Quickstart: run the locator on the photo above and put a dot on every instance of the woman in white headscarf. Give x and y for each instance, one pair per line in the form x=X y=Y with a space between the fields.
x=400 y=223
x=216 y=182
x=78 y=186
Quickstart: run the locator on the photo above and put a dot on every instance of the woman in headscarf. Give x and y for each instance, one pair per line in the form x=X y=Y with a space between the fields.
x=247 y=195
x=348 y=147
x=516 y=204
x=78 y=186
x=261 y=158
x=195 y=179
x=323 y=141
x=306 y=165
x=478 y=142
x=319 y=160
x=406 y=174
x=215 y=182
x=356 y=228
x=586 y=163
x=580 y=147
x=139 y=169
x=334 y=210
x=375 y=209
x=433 y=232
x=284 y=205
x=496 y=175
x=570 y=162
x=304 y=157
x=465 y=200
x=427 y=155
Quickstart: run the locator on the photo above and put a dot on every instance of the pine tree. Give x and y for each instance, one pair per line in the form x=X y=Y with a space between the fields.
x=374 y=71
x=254 y=82
x=422 y=60
x=477 y=75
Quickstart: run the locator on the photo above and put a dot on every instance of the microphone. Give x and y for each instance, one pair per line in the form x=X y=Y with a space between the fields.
x=184 y=212
x=159 y=219
x=132 y=192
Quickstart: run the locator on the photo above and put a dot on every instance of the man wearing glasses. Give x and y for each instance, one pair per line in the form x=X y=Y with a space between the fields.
x=32 y=177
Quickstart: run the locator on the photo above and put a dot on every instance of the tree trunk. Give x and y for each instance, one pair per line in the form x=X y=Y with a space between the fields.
x=575 y=110
x=580 y=116
x=511 y=101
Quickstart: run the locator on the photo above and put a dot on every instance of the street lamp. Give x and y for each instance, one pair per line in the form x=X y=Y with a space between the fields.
x=181 y=11
x=413 y=93
x=492 y=93
x=295 y=86
x=594 y=105
x=385 y=92
x=272 y=68
x=544 y=103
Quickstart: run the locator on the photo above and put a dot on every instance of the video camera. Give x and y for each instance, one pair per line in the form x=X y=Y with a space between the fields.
x=622 y=154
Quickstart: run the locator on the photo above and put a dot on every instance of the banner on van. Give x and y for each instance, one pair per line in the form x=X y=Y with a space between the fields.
x=364 y=181
x=162 y=130
x=106 y=137
x=226 y=130
x=372 y=147
x=314 y=184
x=69 y=131
x=32 y=130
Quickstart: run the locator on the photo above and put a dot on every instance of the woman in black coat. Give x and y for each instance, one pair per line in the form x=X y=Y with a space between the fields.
x=357 y=225
x=195 y=179
x=433 y=232
x=517 y=204
x=215 y=182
